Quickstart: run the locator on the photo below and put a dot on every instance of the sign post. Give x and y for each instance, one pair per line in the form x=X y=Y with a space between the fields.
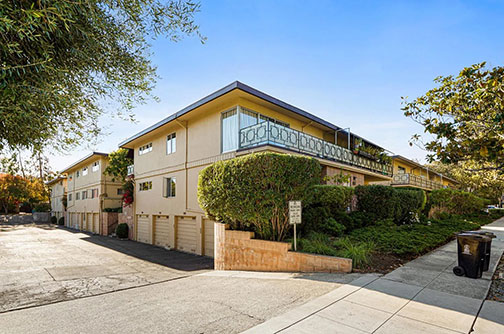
x=295 y=217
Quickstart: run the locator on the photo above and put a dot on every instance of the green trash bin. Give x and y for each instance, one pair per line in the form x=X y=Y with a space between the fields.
x=471 y=254
x=488 y=246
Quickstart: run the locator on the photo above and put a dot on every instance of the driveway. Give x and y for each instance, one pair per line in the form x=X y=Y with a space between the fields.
x=62 y=281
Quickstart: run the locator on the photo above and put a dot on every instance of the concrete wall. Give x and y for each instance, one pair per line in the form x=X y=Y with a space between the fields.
x=236 y=250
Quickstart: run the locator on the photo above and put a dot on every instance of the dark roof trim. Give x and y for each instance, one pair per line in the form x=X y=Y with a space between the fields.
x=247 y=89
x=84 y=159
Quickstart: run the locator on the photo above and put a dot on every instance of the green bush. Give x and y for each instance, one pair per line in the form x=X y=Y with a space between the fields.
x=453 y=201
x=316 y=243
x=416 y=238
x=384 y=202
x=253 y=191
x=359 y=252
x=61 y=221
x=54 y=220
x=122 y=231
x=119 y=209
x=42 y=207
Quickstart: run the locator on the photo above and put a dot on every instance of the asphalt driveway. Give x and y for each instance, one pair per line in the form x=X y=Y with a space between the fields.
x=58 y=280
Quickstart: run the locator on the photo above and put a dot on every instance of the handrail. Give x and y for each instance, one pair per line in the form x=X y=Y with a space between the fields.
x=415 y=180
x=268 y=132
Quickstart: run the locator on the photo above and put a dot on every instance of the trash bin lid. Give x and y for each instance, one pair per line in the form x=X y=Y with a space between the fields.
x=474 y=236
x=485 y=233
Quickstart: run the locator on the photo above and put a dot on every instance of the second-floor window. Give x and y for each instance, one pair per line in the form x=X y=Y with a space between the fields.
x=84 y=194
x=77 y=196
x=96 y=166
x=69 y=197
x=84 y=171
x=401 y=170
x=169 y=187
x=145 y=149
x=144 y=186
x=171 y=143
x=77 y=174
x=94 y=193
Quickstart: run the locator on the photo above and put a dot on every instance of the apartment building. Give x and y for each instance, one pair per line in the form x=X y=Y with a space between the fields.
x=233 y=121
x=89 y=191
x=408 y=173
x=57 y=188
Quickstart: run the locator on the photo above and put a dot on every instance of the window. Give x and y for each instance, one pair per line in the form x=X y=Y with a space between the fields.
x=229 y=130
x=94 y=193
x=70 y=178
x=144 y=186
x=169 y=186
x=171 y=143
x=96 y=166
x=77 y=174
x=237 y=119
x=84 y=171
x=120 y=191
x=77 y=196
x=145 y=149
x=401 y=170
x=69 y=197
x=84 y=194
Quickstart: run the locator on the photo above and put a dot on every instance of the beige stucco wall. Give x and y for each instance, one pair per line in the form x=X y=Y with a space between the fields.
x=107 y=189
x=58 y=190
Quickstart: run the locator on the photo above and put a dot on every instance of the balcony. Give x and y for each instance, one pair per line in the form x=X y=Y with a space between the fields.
x=131 y=170
x=415 y=181
x=271 y=133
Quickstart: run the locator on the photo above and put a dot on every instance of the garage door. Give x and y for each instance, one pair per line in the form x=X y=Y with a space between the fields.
x=89 y=222
x=209 y=237
x=77 y=220
x=143 y=229
x=186 y=234
x=161 y=231
x=84 y=222
x=96 y=223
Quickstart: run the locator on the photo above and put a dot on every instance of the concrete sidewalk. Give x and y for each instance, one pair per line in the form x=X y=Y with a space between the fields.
x=423 y=296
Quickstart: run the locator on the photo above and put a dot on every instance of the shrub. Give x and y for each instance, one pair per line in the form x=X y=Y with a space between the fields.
x=254 y=190
x=377 y=200
x=384 y=202
x=316 y=243
x=54 y=220
x=61 y=221
x=119 y=209
x=122 y=231
x=359 y=252
x=453 y=201
x=42 y=207
x=335 y=198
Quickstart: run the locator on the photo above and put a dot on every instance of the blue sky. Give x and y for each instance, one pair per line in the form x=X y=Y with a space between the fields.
x=348 y=62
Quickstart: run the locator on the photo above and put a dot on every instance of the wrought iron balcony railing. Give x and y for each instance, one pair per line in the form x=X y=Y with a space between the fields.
x=415 y=181
x=271 y=133
x=131 y=170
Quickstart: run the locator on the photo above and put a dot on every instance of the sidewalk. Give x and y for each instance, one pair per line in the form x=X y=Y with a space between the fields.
x=423 y=296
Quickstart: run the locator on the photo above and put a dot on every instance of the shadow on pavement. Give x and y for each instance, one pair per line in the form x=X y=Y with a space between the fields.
x=168 y=258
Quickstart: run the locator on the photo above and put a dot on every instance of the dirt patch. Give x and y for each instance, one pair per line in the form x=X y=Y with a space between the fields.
x=383 y=263
x=496 y=292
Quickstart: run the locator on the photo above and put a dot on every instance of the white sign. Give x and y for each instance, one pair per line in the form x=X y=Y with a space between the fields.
x=294 y=212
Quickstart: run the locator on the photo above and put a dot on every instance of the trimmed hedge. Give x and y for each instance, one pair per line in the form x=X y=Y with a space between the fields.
x=54 y=220
x=385 y=202
x=325 y=203
x=253 y=191
x=453 y=201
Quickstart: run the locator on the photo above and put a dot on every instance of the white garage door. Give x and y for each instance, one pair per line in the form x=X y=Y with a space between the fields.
x=89 y=222
x=161 y=231
x=143 y=229
x=96 y=223
x=187 y=234
x=209 y=237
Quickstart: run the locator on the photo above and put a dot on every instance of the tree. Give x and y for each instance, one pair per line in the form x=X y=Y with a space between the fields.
x=118 y=165
x=61 y=60
x=465 y=116
x=486 y=182
x=13 y=191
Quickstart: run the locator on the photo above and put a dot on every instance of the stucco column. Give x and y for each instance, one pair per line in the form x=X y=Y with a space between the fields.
x=199 y=230
x=171 y=226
